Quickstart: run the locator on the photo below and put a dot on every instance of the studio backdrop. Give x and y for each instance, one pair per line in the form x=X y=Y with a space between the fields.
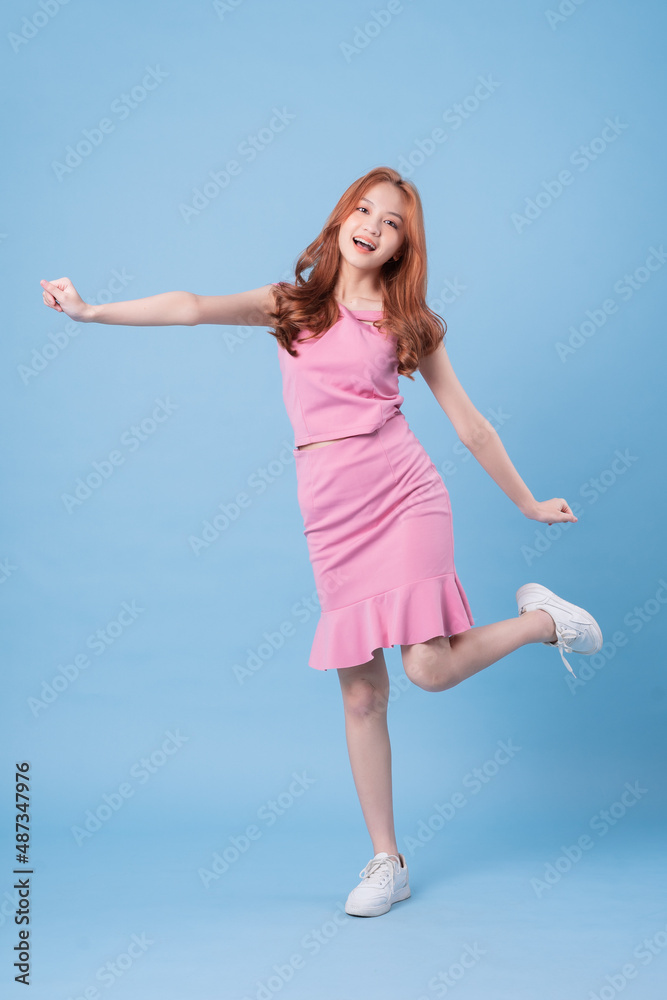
x=179 y=818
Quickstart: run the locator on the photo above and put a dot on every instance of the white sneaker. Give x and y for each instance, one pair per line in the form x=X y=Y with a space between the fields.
x=576 y=629
x=384 y=881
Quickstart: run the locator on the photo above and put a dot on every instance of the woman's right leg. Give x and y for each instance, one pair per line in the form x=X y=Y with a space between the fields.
x=365 y=690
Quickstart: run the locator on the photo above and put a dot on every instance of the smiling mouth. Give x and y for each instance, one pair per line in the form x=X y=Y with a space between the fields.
x=363 y=244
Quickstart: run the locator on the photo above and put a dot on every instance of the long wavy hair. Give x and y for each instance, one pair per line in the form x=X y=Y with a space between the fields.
x=309 y=304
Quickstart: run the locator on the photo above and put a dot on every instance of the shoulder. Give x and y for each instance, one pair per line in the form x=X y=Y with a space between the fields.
x=436 y=366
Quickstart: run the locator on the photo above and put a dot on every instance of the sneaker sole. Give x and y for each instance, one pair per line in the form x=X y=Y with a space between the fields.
x=376 y=911
x=534 y=593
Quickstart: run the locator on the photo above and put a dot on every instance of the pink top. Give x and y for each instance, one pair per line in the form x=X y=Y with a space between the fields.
x=343 y=382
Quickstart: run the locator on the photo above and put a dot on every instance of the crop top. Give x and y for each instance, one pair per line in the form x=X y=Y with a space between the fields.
x=344 y=382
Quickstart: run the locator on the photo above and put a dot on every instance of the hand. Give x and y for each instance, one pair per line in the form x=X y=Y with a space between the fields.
x=62 y=296
x=550 y=511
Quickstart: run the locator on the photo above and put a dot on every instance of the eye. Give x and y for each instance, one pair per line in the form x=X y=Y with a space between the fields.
x=362 y=208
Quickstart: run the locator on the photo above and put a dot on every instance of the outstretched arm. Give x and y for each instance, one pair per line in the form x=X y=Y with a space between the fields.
x=483 y=440
x=249 y=308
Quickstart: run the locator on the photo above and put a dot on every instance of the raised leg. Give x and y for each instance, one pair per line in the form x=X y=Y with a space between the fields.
x=443 y=662
x=365 y=690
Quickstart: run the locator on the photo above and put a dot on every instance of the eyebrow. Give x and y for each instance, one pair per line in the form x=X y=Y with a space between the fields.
x=386 y=213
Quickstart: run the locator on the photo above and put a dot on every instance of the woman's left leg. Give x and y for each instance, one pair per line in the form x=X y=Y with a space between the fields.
x=443 y=662
x=365 y=689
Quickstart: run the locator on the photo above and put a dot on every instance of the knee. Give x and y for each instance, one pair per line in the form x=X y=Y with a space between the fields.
x=362 y=698
x=430 y=665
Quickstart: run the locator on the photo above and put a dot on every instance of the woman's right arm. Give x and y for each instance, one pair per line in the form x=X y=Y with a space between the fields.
x=249 y=308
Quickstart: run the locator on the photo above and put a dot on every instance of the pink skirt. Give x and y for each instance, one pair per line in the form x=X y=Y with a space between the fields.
x=378 y=525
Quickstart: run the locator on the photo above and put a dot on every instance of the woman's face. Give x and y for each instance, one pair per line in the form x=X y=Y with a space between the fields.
x=378 y=219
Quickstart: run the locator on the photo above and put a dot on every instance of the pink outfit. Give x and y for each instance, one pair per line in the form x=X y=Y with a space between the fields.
x=341 y=384
x=377 y=516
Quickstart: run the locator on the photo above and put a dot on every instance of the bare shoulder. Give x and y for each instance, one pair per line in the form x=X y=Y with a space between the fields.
x=436 y=367
x=249 y=308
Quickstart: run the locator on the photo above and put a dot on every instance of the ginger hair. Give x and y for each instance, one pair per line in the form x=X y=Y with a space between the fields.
x=308 y=304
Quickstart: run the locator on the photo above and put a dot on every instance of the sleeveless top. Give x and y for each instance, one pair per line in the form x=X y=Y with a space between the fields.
x=344 y=381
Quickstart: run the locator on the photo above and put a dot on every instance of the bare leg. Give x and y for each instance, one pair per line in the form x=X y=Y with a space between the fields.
x=443 y=662
x=365 y=690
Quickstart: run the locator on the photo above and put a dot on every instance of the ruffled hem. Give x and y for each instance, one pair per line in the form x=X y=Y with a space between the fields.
x=414 y=612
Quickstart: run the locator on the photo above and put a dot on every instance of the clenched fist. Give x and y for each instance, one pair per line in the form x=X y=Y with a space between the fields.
x=62 y=296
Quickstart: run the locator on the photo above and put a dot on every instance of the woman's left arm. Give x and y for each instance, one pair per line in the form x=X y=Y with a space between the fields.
x=483 y=441
x=490 y=452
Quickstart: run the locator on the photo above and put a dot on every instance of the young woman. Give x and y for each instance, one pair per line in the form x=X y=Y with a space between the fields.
x=376 y=513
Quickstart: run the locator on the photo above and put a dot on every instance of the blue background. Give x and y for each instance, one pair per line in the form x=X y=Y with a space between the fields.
x=359 y=97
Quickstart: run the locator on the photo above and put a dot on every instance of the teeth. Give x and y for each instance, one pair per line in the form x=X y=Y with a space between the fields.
x=358 y=239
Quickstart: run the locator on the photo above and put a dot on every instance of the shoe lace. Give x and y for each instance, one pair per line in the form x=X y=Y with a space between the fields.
x=565 y=637
x=378 y=871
